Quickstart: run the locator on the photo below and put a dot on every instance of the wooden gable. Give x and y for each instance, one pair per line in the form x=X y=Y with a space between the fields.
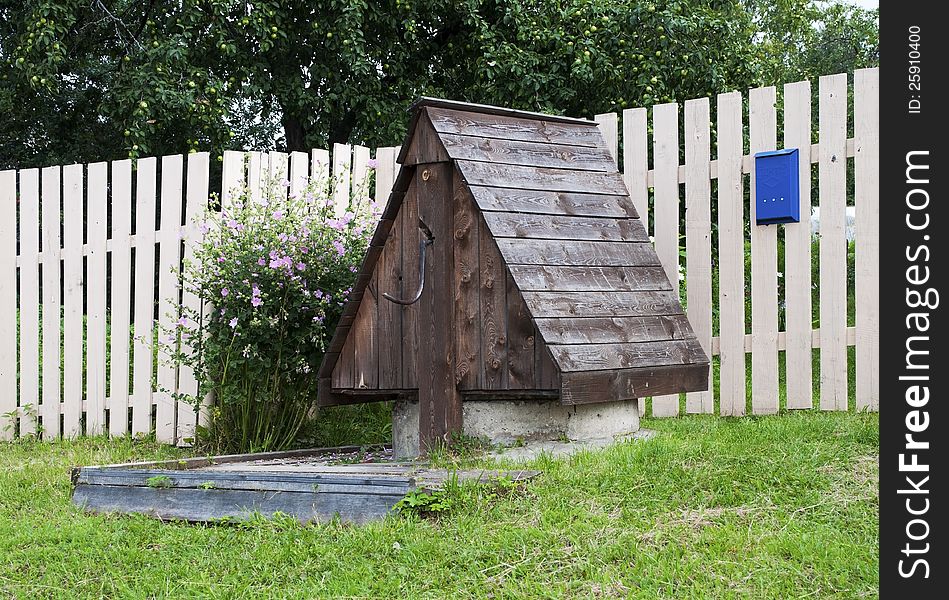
x=555 y=289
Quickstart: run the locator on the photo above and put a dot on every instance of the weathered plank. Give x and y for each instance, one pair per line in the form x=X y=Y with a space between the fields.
x=531 y=154
x=546 y=375
x=390 y=271
x=345 y=362
x=832 y=170
x=364 y=334
x=553 y=203
x=797 y=255
x=120 y=302
x=541 y=178
x=635 y=161
x=144 y=296
x=665 y=119
x=439 y=399
x=603 y=330
x=593 y=304
x=608 y=124
x=577 y=253
x=52 y=307
x=97 y=220
x=731 y=256
x=212 y=504
x=531 y=278
x=698 y=237
x=8 y=311
x=424 y=145
x=466 y=329
x=513 y=128
x=493 y=312
x=73 y=218
x=410 y=282
x=764 y=266
x=600 y=357
x=563 y=227
x=29 y=300
x=867 y=260
x=586 y=387
x=520 y=339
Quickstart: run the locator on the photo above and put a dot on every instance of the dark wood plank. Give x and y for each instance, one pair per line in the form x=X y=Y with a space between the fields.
x=410 y=280
x=390 y=270
x=425 y=146
x=365 y=340
x=546 y=374
x=531 y=278
x=531 y=154
x=381 y=234
x=467 y=285
x=588 y=387
x=520 y=340
x=552 y=203
x=221 y=459
x=493 y=313
x=439 y=399
x=560 y=227
x=331 y=480
x=578 y=253
x=604 y=330
x=541 y=178
x=206 y=505
x=601 y=357
x=345 y=365
x=543 y=129
x=602 y=304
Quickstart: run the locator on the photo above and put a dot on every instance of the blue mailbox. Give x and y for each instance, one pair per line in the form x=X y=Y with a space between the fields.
x=777 y=187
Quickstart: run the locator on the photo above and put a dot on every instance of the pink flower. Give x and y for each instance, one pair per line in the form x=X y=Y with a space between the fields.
x=255 y=291
x=262 y=261
x=300 y=266
x=372 y=163
x=225 y=292
x=233 y=323
x=277 y=215
x=232 y=224
x=204 y=227
x=183 y=322
x=256 y=301
x=340 y=249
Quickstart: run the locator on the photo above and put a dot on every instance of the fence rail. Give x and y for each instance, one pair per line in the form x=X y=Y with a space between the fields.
x=94 y=250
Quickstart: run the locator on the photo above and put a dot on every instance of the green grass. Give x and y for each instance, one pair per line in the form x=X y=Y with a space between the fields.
x=772 y=507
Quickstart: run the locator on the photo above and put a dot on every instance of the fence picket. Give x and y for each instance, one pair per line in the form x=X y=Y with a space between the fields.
x=731 y=256
x=609 y=128
x=52 y=308
x=97 y=220
x=636 y=160
x=866 y=120
x=120 y=306
x=764 y=266
x=698 y=237
x=320 y=168
x=258 y=167
x=169 y=256
x=196 y=200
x=279 y=174
x=142 y=346
x=299 y=172
x=833 y=243
x=72 y=328
x=386 y=168
x=234 y=175
x=360 y=191
x=797 y=255
x=29 y=300
x=342 y=160
x=8 y=314
x=665 y=122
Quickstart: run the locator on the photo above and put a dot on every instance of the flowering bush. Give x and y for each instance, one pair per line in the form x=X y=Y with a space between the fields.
x=273 y=274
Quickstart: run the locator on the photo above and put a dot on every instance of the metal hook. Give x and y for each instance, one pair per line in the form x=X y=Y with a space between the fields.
x=427 y=240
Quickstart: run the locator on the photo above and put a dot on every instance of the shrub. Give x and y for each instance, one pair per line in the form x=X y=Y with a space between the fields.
x=273 y=273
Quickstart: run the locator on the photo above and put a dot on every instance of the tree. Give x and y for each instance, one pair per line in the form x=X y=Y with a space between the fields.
x=87 y=80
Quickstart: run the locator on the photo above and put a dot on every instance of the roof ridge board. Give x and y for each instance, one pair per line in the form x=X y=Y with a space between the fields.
x=429 y=101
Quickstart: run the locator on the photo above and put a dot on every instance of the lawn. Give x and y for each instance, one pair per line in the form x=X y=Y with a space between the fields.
x=770 y=507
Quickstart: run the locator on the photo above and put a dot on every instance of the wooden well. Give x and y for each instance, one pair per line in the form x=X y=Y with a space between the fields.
x=539 y=283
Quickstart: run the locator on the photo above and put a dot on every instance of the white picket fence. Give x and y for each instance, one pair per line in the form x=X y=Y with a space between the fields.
x=74 y=291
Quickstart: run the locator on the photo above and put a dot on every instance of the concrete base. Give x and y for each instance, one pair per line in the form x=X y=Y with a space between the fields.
x=506 y=422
